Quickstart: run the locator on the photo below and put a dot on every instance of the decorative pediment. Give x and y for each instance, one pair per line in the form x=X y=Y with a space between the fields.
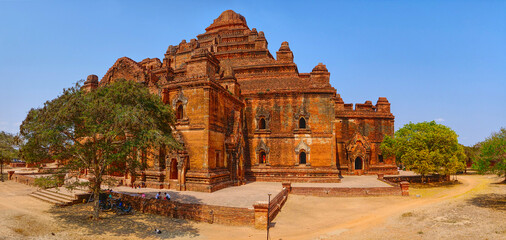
x=302 y=112
x=262 y=112
x=180 y=97
x=358 y=140
x=178 y=136
x=262 y=146
x=302 y=146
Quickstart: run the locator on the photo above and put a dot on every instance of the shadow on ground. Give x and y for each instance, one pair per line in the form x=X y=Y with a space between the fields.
x=139 y=225
x=174 y=196
x=491 y=200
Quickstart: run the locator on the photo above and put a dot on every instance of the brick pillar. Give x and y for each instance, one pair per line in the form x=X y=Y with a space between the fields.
x=288 y=186
x=261 y=211
x=10 y=174
x=380 y=176
x=405 y=188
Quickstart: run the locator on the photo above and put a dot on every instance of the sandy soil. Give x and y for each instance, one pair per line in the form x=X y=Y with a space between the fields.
x=475 y=209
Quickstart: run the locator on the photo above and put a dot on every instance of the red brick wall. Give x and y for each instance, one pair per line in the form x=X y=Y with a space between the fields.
x=23 y=178
x=197 y=212
x=418 y=179
x=346 y=192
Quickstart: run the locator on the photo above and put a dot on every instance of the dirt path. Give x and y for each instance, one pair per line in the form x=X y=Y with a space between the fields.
x=20 y=215
x=326 y=221
x=379 y=216
x=437 y=214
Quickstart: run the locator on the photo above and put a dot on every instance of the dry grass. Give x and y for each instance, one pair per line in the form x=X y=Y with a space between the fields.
x=407 y=214
x=138 y=225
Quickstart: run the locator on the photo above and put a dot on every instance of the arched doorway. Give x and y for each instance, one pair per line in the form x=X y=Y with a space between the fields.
x=302 y=157
x=173 y=169
x=358 y=163
x=262 y=157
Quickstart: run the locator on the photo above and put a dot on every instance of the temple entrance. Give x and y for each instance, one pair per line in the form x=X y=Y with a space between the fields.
x=358 y=163
x=173 y=169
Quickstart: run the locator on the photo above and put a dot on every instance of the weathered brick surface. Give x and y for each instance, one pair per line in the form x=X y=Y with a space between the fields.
x=224 y=85
x=28 y=179
x=17 y=164
x=197 y=212
x=417 y=178
x=346 y=192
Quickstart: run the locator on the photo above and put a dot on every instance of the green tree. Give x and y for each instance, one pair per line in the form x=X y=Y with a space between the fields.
x=8 y=150
x=493 y=154
x=97 y=130
x=472 y=153
x=426 y=148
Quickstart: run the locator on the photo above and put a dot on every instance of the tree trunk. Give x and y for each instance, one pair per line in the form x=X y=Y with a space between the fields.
x=96 y=196
x=2 y=170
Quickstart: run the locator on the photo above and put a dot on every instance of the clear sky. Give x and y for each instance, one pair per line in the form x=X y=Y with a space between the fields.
x=433 y=60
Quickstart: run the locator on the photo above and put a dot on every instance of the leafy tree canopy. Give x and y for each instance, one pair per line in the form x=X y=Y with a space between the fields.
x=426 y=148
x=8 y=150
x=93 y=130
x=492 y=155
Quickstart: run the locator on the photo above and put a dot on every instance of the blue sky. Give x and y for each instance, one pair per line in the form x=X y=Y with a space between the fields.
x=433 y=60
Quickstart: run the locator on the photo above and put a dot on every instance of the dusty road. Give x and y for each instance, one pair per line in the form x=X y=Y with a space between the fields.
x=472 y=210
x=380 y=217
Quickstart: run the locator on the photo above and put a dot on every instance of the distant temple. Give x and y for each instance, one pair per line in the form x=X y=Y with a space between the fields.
x=243 y=115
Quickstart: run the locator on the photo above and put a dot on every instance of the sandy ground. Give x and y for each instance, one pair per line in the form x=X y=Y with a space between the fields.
x=246 y=195
x=238 y=196
x=475 y=209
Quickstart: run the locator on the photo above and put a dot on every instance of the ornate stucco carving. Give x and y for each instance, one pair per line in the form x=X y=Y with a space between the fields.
x=263 y=113
x=302 y=112
x=302 y=146
x=180 y=97
x=262 y=146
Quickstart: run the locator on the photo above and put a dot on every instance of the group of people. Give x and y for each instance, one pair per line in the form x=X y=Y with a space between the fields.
x=159 y=196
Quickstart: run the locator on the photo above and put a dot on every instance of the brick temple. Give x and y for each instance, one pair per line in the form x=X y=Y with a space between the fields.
x=245 y=115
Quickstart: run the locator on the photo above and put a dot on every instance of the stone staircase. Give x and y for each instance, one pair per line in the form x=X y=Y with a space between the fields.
x=60 y=197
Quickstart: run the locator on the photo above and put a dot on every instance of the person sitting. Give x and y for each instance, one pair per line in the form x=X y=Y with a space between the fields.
x=158 y=195
x=167 y=196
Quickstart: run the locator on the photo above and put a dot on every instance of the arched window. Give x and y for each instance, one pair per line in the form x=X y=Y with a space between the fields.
x=302 y=123
x=179 y=111
x=261 y=124
x=358 y=163
x=262 y=157
x=380 y=158
x=302 y=157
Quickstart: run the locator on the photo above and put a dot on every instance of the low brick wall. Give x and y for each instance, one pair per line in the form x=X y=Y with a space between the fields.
x=17 y=164
x=417 y=178
x=27 y=178
x=191 y=211
x=346 y=192
x=277 y=203
x=287 y=174
x=264 y=209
